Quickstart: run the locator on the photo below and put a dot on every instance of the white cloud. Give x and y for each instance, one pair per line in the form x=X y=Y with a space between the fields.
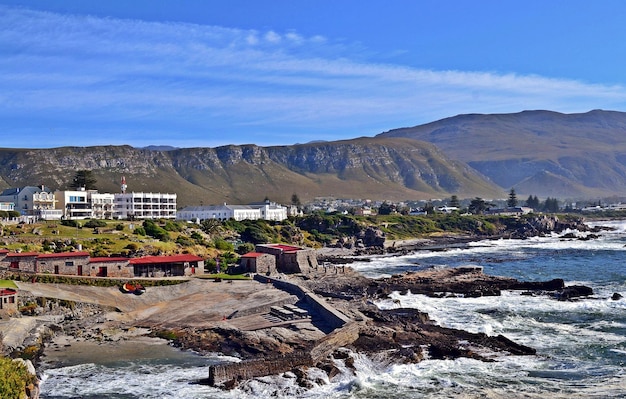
x=273 y=37
x=125 y=74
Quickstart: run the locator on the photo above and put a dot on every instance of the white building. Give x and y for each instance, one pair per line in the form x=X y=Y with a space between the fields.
x=75 y=204
x=102 y=205
x=144 y=206
x=271 y=211
x=38 y=202
x=266 y=210
x=219 y=212
x=7 y=206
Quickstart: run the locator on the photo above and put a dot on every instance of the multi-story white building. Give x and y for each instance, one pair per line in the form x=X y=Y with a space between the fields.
x=218 y=212
x=266 y=210
x=102 y=205
x=38 y=202
x=271 y=211
x=75 y=204
x=144 y=206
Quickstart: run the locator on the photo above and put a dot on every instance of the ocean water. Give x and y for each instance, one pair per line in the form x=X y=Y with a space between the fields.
x=581 y=345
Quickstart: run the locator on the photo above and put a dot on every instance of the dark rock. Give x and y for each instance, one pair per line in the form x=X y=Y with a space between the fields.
x=616 y=296
x=574 y=291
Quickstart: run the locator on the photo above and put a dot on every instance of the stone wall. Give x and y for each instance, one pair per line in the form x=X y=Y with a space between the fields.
x=229 y=374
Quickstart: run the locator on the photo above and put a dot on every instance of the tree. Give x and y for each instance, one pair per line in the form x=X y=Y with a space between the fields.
x=477 y=206
x=512 y=202
x=295 y=200
x=551 y=205
x=532 y=202
x=386 y=209
x=84 y=179
x=454 y=202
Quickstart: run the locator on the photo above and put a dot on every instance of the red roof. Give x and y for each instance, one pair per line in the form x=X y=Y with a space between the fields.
x=4 y=251
x=286 y=248
x=109 y=259
x=166 y=259
x=65 y=255
x=22 y=254
x=7 y=291
x=252 y=255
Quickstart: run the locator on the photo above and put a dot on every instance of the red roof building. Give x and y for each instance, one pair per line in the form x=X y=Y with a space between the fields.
x=167 y=266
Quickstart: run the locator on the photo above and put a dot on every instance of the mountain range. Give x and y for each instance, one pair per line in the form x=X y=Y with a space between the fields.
x=539 y=153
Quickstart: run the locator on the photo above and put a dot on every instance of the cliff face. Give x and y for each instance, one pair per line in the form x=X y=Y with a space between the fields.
x=361 y=168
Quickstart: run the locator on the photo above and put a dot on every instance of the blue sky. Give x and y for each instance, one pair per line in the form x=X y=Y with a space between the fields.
x=209 y=73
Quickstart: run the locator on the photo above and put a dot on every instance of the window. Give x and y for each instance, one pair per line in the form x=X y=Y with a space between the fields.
x=69 y=263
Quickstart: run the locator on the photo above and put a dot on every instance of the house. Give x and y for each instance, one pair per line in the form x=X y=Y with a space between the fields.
x=7 y=206
x=38 y=202
x=167 y=266
x=8 y=300
x=289 y=258
x=68 y=263
x=510 y=211
x=20 y=261
x=256 y=262
x=80 y=264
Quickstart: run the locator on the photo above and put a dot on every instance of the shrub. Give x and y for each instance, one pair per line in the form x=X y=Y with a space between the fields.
x=93 y=223
x=70 y=223
x=223 y=245
x=245 y=248
x=14 y=378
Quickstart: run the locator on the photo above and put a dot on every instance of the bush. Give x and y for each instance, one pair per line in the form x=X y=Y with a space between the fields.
x=223 y=245
x=153 y=230
x=70 y=223
x=14 y=378
x=140 y=231
x=93 y=223
x=245 y=248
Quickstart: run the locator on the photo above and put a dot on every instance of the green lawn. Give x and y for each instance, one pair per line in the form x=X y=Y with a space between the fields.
x=7 y=284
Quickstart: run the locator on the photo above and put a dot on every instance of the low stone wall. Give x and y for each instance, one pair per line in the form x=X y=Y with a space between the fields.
x=228 y=374
x=339 y=338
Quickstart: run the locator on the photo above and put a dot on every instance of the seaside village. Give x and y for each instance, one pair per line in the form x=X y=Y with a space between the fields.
x=39 y=203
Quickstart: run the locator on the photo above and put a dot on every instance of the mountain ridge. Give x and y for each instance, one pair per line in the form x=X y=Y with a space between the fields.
x=373 y=168
x=586 y=151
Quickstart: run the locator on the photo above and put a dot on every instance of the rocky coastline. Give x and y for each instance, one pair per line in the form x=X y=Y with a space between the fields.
x=390 y=336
